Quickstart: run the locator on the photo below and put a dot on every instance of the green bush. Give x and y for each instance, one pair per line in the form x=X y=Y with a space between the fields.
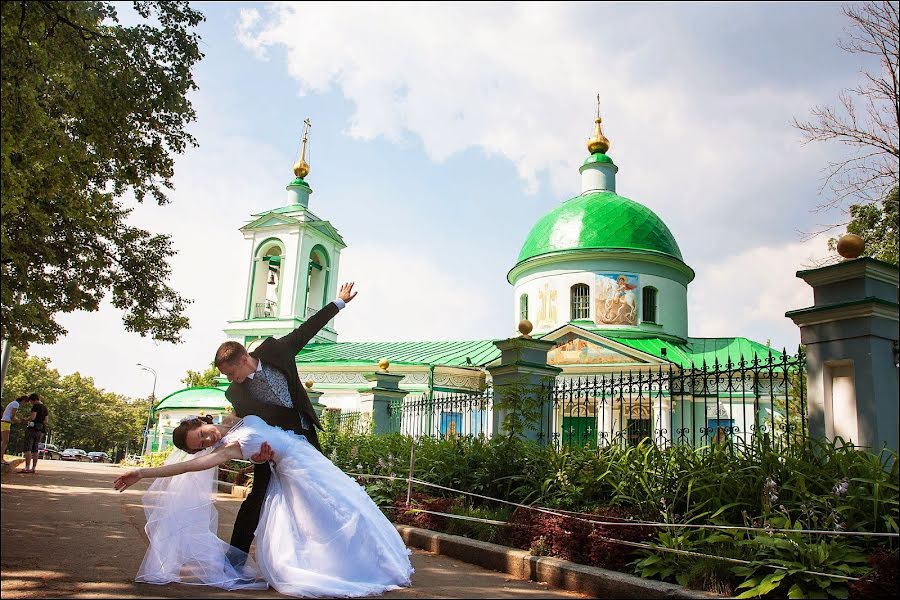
x=817 y=486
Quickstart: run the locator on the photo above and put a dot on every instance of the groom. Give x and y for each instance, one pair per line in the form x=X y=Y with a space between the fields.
x=265 y=383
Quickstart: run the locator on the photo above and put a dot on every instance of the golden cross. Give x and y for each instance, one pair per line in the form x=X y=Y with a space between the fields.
x=306 y=126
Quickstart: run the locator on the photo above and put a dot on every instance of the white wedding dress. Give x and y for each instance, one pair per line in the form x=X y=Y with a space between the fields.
x=319 y=533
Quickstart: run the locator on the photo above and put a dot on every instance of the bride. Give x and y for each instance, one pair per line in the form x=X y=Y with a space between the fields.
x=319 y=533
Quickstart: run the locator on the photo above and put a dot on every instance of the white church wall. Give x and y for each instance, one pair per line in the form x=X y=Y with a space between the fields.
x=549 y=301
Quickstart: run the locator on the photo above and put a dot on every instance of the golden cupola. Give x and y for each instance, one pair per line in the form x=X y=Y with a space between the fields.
x=598 y=143
x=301 y=167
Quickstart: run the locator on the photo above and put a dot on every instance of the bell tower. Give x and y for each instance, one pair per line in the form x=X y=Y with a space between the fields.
x=291 y=265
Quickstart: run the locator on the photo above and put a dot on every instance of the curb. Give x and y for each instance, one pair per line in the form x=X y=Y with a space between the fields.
x=10 y=467
x=567 y=575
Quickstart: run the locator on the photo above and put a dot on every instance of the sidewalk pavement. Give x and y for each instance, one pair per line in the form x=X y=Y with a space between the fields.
x=66 y=533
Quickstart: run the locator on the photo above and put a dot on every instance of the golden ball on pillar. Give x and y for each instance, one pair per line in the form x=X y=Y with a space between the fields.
x=308 y=384
x=383 y=364
x=525 y=327
x=850 y=246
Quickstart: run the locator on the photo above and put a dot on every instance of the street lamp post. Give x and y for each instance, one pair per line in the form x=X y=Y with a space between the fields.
x=147 y=444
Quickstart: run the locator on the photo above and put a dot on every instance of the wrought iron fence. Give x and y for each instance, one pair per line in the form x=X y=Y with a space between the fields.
x=443 y=414
x=725 y=403
x=728 y=404
x=352 y=422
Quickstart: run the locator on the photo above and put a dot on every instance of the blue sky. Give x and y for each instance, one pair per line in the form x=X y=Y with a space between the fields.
x=441 y=133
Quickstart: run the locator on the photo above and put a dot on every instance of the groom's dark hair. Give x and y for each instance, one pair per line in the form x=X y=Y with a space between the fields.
x=229 y=352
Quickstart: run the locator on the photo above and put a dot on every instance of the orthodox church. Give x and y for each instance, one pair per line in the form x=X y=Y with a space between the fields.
x=599 y=274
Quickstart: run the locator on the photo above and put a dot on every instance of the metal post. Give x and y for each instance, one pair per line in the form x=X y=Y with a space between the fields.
x=412 y=461
x=5 y=363
x=147 y=444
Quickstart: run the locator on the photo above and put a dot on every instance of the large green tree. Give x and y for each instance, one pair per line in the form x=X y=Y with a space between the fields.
x=92 y=112
x=81 y=415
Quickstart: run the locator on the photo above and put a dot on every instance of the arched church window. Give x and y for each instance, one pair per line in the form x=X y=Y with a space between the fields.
x=581 y=301
x=317 y=280
x=266 y=284
x=649 y=302
x=523 y=307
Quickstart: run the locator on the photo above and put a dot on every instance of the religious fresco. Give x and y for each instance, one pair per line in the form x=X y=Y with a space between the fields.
x=616 y=299
x=546 y=313
x=575 y=350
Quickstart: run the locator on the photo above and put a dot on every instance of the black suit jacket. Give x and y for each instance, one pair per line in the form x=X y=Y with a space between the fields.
x=280 y=354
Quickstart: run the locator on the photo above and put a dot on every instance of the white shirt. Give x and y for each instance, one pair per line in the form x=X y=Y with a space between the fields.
x=8 y=412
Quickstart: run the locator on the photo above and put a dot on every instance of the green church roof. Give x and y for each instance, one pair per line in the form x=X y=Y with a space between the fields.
x=698 y=351
x=197 y=397
x=479 y=352
x=600 y=221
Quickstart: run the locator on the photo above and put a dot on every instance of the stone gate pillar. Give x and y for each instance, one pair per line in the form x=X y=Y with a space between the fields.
x=851 y=335
x=523 y=369
x=376 y=399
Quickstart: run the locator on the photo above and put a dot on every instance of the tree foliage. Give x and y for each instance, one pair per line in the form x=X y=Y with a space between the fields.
x=91 y=110
x=205 y=379
x=877 y=226
x=81 y=415
x=869 y=115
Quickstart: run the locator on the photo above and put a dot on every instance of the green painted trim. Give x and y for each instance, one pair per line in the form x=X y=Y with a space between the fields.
x=598 y=157
x=258 y=259
x=550 y=258
x=327 y=268
x=309 y=266
x=328 y=231
x=299 y=182
x=837 y=305
x=290 y=208
x=258 y=222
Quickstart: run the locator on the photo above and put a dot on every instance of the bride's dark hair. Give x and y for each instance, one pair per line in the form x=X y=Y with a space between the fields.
x=179 y=435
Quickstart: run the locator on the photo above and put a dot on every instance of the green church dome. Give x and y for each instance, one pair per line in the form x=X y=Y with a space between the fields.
x=600 y=220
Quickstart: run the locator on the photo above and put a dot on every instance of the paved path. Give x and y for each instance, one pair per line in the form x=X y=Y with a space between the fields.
x=67 y=534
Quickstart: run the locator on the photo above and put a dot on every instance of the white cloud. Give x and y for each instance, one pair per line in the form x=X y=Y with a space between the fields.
x=700 y=137
x=519 y=81
x=747 y=294
x=404 y=297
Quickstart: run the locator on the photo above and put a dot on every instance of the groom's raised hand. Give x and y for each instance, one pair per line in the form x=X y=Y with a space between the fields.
x=347 y=294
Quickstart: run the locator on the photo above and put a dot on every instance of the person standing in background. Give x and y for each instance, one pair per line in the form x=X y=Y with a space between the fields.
x=9 y=417
x=35 y=427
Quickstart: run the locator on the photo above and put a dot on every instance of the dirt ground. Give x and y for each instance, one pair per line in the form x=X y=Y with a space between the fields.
x=66 y=533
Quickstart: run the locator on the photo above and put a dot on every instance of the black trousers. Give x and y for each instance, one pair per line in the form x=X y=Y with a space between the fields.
x=248 y=515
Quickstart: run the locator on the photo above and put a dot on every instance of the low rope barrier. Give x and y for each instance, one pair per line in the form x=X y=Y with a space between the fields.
x=641 y=545
x=767 y=530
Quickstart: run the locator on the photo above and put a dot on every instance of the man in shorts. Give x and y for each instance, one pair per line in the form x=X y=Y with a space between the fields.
x=35 y=427
x=9 y=417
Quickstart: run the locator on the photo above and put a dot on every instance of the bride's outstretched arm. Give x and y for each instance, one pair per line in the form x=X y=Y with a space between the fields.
x=213 y=459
